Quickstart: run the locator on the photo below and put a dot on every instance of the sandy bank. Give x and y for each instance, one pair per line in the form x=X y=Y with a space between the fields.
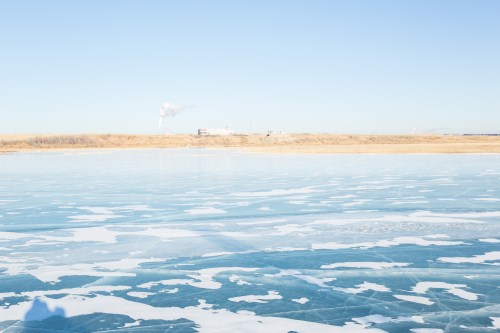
x=289 y=143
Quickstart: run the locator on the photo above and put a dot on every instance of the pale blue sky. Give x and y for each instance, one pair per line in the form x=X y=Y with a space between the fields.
x=351 y=66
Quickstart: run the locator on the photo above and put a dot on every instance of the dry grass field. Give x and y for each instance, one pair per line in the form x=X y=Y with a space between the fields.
x=282 y=143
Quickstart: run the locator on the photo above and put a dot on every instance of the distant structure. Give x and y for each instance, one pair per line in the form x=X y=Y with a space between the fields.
x=474 y=134
x=275 y=133
x=215 y=131
x=481 y=134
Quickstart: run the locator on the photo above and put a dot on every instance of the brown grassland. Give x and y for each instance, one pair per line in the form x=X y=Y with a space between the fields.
x=279 y=143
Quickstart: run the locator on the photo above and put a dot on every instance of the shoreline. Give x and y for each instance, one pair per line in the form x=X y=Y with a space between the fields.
x=259 y=143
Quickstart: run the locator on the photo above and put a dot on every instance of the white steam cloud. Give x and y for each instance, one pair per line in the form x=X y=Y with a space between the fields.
x=169 y=110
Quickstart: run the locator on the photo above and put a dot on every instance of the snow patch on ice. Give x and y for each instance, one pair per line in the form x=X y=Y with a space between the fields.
x=86 y=290
x=139 y=294
x=216 y=254
x=384 y=243
x=416 y=217
x=454 y=289
x=271 y=295
x=207 y=320
x=489 y=240
x=199 y=279
x=291 y=228
x=372 y=265
x=415 y=299
x=276 y=192
x=52 y=274
x=380 y=319
x=238 y=280
x=93 y=217
x=487 y=199
x=8 y=236
x=205 y=211
x=365 y=286
x=476 y=259
x=302 y=300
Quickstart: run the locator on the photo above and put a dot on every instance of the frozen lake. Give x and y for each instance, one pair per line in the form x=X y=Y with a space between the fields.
x=222 y=241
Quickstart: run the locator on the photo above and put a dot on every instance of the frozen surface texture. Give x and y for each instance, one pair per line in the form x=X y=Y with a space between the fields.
x=221 y=241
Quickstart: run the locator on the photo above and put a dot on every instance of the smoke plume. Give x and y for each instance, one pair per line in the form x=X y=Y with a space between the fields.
x=169 y=110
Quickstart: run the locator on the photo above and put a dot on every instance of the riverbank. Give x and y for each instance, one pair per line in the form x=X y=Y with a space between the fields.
x=279 y=143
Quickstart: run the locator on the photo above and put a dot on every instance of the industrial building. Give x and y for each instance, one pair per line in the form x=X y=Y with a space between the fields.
x=215 y=131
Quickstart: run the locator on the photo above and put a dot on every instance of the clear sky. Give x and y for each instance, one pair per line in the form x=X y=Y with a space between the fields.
x=350 y=66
